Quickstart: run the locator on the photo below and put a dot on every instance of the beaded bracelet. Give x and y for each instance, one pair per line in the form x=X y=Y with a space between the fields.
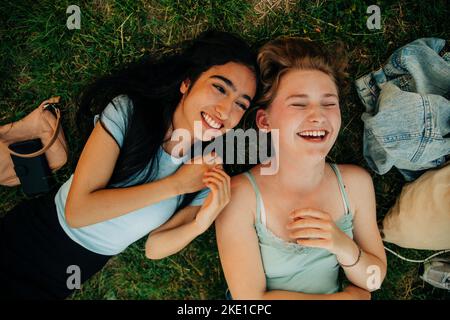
x=357 y=260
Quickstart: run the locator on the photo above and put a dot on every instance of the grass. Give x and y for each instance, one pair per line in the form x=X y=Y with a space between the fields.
x=40 y=58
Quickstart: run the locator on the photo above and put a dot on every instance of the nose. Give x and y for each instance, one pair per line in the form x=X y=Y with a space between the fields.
x=223 y=109
x=316 y=115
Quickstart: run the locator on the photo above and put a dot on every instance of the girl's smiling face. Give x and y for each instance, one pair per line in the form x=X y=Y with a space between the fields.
x=217 y=99
x=306 y=112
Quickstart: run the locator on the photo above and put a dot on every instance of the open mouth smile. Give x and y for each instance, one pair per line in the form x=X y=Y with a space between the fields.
x=210 y=122
x=314 y=135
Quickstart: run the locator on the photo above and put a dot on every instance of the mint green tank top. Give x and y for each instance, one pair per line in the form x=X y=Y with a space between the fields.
x=293 y=267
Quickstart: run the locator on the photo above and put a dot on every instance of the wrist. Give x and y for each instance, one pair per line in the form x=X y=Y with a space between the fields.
x=346 y=246
x=199 y=226
x=349 y=256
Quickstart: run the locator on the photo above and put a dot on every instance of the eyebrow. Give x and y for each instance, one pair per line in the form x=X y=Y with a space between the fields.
x=297 y=96
x=326 y=95
x=230 y=84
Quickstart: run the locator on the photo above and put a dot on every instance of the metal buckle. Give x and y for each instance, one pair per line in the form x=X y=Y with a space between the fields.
x=53 y=106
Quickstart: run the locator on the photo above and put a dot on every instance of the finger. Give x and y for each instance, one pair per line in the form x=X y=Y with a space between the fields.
x=215 y=181
x=228 y=189
x=223 y=193
x=315 y=243
x=219 y=169
x=219 y=197
x=217 y=175
x=222 y=173
x=214 y=189
x=309 y=212
x=224 y=188
x=226 y=182
x=212 y=179
x=307 y=223
x=309 y=233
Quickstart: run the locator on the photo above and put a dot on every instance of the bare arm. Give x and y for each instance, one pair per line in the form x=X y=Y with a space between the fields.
x=240 y=255
x=349 y=293
x=370 y=271
x=88 y=201
x=174 y=235
x=191 y=221
x=315 y=228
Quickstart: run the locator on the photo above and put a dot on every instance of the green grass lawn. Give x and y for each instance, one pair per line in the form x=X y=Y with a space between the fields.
x=40 y=58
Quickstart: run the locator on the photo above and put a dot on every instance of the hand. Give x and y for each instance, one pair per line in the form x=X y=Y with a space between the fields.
x=189 y=177
x=315 y=228
x=218 y=182
x=356 y=293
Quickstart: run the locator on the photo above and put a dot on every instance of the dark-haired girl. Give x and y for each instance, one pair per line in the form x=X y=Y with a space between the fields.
x=130 y=180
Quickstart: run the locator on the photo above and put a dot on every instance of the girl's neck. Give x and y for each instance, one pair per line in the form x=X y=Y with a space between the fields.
x=184 y=143
x=305 y=175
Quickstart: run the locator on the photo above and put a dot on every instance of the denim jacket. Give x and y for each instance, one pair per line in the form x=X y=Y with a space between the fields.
x=407 y=110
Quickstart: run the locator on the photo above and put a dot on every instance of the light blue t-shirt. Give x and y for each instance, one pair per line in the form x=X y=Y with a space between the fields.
x=114 y=236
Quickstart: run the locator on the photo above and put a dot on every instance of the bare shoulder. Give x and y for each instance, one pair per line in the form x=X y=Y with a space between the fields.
x=243 y=199
x=354 y=175
x=359 y=186
x=240 y=183
x=241 y=188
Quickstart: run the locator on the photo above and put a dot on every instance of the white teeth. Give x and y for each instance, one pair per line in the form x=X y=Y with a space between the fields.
x=211 y=121
x=312 y=133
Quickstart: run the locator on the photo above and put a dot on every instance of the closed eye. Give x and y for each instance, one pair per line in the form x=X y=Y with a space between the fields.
x=241 y=105
x=219 y=88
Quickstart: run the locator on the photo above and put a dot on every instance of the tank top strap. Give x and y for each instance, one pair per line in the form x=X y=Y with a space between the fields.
x=341 y=187
x=260 y=210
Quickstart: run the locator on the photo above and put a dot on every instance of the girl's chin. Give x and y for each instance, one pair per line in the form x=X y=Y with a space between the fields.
x=314 y=156
x=308 y=154
x=208 y=136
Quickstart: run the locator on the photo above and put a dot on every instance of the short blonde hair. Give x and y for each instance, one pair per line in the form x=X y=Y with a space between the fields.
x=278 y=56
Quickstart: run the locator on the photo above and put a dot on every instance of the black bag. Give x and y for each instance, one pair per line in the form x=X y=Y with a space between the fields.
x=34 y=173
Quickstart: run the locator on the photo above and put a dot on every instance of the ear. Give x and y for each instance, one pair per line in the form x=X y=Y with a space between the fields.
x=262 y=120
x=184 y=87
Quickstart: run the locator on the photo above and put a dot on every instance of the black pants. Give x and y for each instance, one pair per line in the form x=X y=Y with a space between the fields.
x=35 y=253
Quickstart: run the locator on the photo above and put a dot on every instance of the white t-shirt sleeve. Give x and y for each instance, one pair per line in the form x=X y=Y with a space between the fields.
x=200 y=197
x=114 y=117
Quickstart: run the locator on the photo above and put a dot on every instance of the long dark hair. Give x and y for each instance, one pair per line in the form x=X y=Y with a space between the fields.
x=153 y=86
